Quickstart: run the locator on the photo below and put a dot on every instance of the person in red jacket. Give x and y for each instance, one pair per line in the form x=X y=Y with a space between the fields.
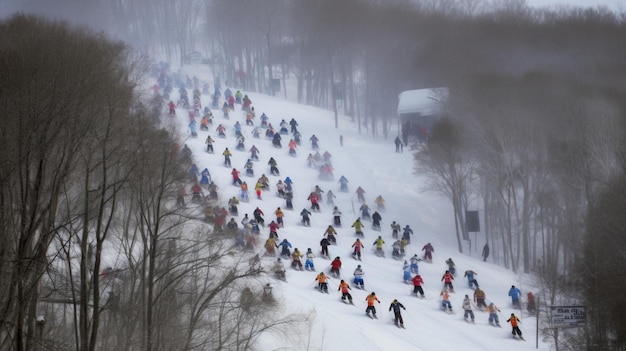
x=345 y=291
x=447 y=281
x=236 y=180
x=417 y=285
x=335 y=266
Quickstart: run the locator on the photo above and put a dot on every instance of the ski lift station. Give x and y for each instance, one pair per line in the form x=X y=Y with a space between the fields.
x=418 y=110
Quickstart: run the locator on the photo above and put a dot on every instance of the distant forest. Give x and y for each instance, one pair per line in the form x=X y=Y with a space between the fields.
x=534 y=130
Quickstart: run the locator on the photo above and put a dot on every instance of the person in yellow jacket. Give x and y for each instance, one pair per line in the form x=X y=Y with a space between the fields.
x=279 y=217
x=257 y=188
x=371 y=299
x=322 y=285
x=358 y=227
x=345 y=291
x=296 y=261
x=379 y=242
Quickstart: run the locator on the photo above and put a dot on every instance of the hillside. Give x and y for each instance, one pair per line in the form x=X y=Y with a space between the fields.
x=373 y=165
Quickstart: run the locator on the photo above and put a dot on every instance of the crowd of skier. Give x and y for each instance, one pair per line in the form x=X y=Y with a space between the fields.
x=276 y=246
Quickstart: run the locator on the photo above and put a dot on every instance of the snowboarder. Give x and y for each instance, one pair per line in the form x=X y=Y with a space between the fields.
x=358 y=277
x=417 y=285
x=451 y=266
x=371 y=299
x=515 y=294
x=467 y=308
x=397 y=317
x=514 y=324
x=358 y=245
x=471 y=281
x=345 y=292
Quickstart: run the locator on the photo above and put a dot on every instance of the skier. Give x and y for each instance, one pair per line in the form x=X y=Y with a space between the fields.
x=371 y=299
x=249 y=166
x=322 y=285
x=227 y=155
x=292 y=147
x=288 y=199
x=308 y=264
x=209 y=144
x=358 y=277
x=345 y=292
x=398 y=143
x=414 y=266
x=254 y=153
x=236 y=180
x=330 y=197
x=257 y=216
x=360 y=194
x=244 y=192
x=279 y=269
x=314 y=142
x=365 y=211
x=270 y=247
x=428 y=252
x=380 y=203
x=467 y=309
x=530 y=305
x=330 y=234
x=395 y=253
x=358 y=245
x=471 y=281
x=451 y=266
x=285 y=245
x=205 y=178
x=485 y=252
x=296 y=262
x=221 y=131
x=335 y=266
x=315 y=206
x=514 y=324
x=379 y=242
x=445 y=301
x=306 y=220
x=479 y=298
x=343 y=184
x=232 y=203
x=293 y=124
x=336 y=216
x=406 y=269
x=397 y=317
x=376 y=218
x=406 y=234
x=515 y=294
x=276 y=140
x=280 y=215
x=493 y=314
x=324 y=243
x=447 y=279
x=417 y=285
x=273 y=167
x=395 y=229
x=280 y=188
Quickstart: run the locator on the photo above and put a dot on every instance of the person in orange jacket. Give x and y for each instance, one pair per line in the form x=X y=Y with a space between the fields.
x=345 y=291
x=322 y=285
x=371 y=299
x=514 y=323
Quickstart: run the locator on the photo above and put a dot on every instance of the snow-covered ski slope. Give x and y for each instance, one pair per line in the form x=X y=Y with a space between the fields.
x=372 y=164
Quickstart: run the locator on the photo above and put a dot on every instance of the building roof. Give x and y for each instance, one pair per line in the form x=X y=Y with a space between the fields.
x=426 y=102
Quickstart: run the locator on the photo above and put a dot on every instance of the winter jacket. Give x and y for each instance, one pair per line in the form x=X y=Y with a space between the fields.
x=396 y=306
x=371 y=299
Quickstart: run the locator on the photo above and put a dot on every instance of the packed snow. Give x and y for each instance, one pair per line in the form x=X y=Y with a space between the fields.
x=372 y=164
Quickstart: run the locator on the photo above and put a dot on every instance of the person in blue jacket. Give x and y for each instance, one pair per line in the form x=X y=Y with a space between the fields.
x=285 y=248
x=515 y=294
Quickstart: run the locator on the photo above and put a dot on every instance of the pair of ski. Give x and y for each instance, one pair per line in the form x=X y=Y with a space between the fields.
x=400 y=326
x=348 y=302
x=372 y=316
x=519 y=338
x=470 y=321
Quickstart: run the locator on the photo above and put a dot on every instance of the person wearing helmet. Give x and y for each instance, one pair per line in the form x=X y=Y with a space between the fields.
x=515 y=325
x=396 y=306
x=371 y=299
